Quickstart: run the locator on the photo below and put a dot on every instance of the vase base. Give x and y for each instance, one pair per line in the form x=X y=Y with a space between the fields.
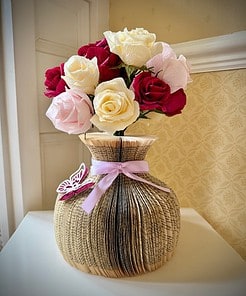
x=118 y=273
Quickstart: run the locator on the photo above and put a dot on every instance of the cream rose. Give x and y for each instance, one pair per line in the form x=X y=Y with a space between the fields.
x=81 y=73
x=134 y=47
x=115 y=107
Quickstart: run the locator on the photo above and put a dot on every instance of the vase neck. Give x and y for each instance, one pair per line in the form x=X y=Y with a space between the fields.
x=119 y=149
x=118 y=152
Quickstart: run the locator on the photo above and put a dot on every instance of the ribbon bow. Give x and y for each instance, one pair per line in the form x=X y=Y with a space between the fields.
x=112 y=170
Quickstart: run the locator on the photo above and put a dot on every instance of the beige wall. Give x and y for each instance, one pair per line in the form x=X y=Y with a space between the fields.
x=179 y=20
x=201 y=153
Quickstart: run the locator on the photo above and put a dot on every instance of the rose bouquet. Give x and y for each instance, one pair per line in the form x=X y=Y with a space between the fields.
x=110 y=84
x=116 y=81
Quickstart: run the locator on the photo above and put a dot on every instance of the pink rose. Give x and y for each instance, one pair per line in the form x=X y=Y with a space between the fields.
x=175 y=72
x=154 y=94
x=53 y=82
x=106 y=60
x=71 y=112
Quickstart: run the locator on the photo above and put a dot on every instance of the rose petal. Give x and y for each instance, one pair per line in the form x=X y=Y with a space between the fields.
x=71 y=111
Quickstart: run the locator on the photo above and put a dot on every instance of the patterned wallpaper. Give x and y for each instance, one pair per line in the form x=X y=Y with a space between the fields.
x=201 y=154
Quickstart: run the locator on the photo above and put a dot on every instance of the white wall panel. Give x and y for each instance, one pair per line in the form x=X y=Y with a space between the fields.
x=61 y=28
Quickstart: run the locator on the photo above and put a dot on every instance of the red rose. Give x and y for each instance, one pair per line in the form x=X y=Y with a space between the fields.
x=175 y=103
x=153 y=94
x=53 y=81
x=150 y=92
x=106 y=60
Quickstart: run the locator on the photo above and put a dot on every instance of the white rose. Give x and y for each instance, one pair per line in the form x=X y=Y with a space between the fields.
x=134 y=47
x=81 y=73
x=115 y=107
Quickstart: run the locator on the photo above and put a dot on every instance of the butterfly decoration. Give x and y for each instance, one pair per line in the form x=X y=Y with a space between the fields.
x=76 y=183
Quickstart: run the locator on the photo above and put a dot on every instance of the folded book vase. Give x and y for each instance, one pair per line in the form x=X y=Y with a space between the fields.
x=134 y=227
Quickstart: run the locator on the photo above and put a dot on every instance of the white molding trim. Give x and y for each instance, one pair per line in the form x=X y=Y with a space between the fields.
x=47 y=46
x=220 y=53
x=27 y=131
x=99 y=23
x=12 y=135
x=99 y=18
x=4 y=217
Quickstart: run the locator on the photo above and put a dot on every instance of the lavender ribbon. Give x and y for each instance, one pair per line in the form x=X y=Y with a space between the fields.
x=112 y=170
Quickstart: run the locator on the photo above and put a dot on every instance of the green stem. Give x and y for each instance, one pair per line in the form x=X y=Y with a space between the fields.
x=143 y=114
x=119 y=133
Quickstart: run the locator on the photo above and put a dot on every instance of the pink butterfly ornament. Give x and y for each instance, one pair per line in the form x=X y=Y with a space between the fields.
x=76 y=183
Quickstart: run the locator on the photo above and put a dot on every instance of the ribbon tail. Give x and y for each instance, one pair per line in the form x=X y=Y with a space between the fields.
x=137 y=178
x=100 y=188
x=92 y=199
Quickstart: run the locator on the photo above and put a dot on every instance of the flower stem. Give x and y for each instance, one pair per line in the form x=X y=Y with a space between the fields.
x=143 y=114
x=119 y=133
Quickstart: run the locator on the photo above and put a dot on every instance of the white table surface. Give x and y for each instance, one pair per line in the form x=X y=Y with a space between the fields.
x=203 y=264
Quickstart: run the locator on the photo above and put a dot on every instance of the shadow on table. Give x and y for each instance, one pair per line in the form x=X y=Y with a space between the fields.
x=199 y=257
x=202 y=265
